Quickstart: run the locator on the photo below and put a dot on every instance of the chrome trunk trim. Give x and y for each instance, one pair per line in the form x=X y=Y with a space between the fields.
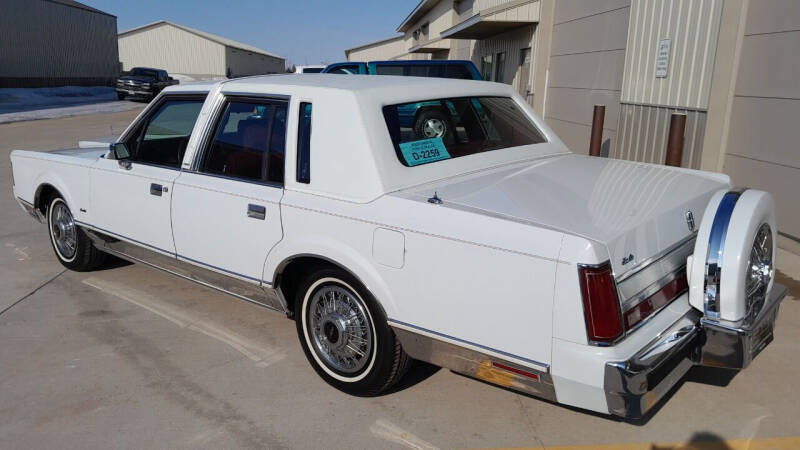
x=654 y=273
x=241 y=289
x=476 y=364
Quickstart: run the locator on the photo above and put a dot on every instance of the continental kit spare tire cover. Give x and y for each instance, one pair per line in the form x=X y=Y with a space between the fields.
x=733 y=266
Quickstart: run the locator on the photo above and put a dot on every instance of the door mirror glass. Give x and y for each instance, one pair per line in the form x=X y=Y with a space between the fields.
x=120 y=151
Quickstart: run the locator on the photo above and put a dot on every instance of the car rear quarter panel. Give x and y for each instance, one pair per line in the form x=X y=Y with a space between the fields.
x=462 y=277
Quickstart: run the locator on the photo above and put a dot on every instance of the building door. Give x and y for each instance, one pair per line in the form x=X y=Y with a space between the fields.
x=524 y=86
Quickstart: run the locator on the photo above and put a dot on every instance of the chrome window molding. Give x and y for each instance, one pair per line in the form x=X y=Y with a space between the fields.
x=716 y=248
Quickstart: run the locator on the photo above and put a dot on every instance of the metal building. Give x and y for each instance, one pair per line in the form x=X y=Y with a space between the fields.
x=56 y=43
x=729 y=65
x=183 y=50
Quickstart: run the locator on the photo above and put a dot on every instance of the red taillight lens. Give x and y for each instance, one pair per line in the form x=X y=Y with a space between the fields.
x=600 y=303
x=656 y=301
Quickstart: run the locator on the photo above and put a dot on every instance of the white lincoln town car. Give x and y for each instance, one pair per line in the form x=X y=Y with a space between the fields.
x=439 y=220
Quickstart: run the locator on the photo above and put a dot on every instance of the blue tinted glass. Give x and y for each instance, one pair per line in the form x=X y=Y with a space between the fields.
x=304 y=144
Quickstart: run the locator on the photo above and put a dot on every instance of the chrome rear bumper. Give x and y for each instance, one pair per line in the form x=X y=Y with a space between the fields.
x=634 y=386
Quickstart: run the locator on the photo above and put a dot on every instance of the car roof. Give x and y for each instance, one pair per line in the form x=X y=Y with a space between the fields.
x=353 y=83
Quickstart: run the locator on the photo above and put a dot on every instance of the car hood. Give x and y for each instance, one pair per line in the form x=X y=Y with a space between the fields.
x=629 y=206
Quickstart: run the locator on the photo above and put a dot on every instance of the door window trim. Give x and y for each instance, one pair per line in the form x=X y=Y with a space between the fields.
x=148 y=114
x=208 y=137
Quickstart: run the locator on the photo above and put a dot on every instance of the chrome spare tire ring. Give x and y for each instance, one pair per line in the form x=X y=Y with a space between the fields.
x=62 y=230
x=760 y=268
x=340 y=329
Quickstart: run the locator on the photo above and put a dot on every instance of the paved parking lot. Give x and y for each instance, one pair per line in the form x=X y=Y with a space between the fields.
x=130 y=357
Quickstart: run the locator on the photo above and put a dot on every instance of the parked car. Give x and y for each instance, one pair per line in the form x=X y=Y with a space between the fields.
x=309 y=69
x=429 y=118
x=143 y=82
x=492 y=250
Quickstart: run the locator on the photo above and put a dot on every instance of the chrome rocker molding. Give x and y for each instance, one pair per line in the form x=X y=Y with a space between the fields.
x=31 y=209
x=241 y=289
x=476 y=364
x=634 y=386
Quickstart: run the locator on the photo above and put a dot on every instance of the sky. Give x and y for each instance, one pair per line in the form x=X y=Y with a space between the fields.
x=302 y=31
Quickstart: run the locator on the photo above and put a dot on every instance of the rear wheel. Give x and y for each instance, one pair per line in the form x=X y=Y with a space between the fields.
x=345 y=334
x=72 y=247
x=433 y=123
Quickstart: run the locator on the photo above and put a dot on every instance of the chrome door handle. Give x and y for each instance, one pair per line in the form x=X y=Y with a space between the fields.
x=157 y=189
x=256 y=212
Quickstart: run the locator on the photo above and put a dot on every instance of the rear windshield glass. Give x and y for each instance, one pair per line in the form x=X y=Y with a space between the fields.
x=459 y=71
x=435 y=130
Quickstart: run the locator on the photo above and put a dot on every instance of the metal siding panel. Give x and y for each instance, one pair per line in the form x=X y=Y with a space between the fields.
x=173 y=49
x=769 y=66
x=693 y=36
x=47 y=40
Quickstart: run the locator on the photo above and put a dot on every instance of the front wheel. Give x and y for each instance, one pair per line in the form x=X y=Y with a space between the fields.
x=72 y=247
x=345 y=334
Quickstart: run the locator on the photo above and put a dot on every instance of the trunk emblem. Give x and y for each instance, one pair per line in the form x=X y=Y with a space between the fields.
x=627 y=259
x=690 y=220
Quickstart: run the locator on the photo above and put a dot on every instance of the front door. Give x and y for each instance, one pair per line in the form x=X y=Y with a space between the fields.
x=130 y=199
x=226 y=209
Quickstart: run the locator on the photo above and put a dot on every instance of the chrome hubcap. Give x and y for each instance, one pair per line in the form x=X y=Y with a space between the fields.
x=433 y=128
x=340 y=329
x=63 y=229
x=760 y=267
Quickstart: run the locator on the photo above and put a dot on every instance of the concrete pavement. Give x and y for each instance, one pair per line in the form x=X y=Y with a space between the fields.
x=130 y=357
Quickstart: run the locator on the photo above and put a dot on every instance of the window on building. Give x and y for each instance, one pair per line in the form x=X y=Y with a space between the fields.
x=500 y=68
x=163 y=137
x=249 y=141
x=304 y=144
x=486 y=67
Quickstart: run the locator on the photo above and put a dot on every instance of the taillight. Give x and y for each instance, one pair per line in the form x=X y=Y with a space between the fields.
x=656 y=301
x=600 y=303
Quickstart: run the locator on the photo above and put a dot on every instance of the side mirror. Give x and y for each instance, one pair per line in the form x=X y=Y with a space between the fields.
x=121 y=154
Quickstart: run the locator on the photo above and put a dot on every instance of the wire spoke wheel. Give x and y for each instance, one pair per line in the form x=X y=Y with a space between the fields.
x=340 y=328
x=62 y=227
x=760 y=268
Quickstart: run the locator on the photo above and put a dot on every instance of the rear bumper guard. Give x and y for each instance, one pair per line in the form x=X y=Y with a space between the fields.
x=634 y=386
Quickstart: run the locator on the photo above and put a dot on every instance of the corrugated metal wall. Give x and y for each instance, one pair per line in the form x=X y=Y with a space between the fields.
x=692 y=27
x=243 y=63
x=173 y=49
x=379 y=51
x=49 y=44
x=643 y=132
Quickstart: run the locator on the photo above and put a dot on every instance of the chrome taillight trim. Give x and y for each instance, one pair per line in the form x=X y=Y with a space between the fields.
x=716 y=248
x=606 y=263
x=660 y=271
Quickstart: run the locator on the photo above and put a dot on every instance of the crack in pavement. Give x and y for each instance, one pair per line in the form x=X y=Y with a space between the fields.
x=32 y=292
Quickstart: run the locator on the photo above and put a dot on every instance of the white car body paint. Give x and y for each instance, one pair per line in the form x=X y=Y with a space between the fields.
x=492 y=269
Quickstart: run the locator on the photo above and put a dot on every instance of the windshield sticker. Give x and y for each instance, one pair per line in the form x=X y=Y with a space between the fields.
x=424 y=151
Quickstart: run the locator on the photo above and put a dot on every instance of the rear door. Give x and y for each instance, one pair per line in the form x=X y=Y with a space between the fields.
x=226 y=209
x=132 y=201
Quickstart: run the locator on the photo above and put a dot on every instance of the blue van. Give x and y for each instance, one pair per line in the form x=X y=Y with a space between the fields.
x=426 y=119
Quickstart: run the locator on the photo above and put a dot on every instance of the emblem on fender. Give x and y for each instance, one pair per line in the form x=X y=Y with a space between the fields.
x=690 y=220
x=627 y=259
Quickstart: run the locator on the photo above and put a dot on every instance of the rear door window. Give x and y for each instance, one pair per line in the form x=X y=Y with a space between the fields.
x=249 y=141
x=435 y=130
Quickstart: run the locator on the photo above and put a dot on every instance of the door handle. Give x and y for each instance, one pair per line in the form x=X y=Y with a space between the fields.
x=157 y=189
x=256 y=212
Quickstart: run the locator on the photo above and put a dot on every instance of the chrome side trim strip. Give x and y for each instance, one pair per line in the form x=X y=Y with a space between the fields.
x=632 y=288
x=476 y=364
x=716 y=248
x=397 y=323
x=241 y=289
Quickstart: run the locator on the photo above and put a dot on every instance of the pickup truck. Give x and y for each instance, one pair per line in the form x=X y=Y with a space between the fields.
x=492 y=251
x=143 y=82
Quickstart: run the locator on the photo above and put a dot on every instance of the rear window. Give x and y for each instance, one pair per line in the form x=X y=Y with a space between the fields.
x=435 y=130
